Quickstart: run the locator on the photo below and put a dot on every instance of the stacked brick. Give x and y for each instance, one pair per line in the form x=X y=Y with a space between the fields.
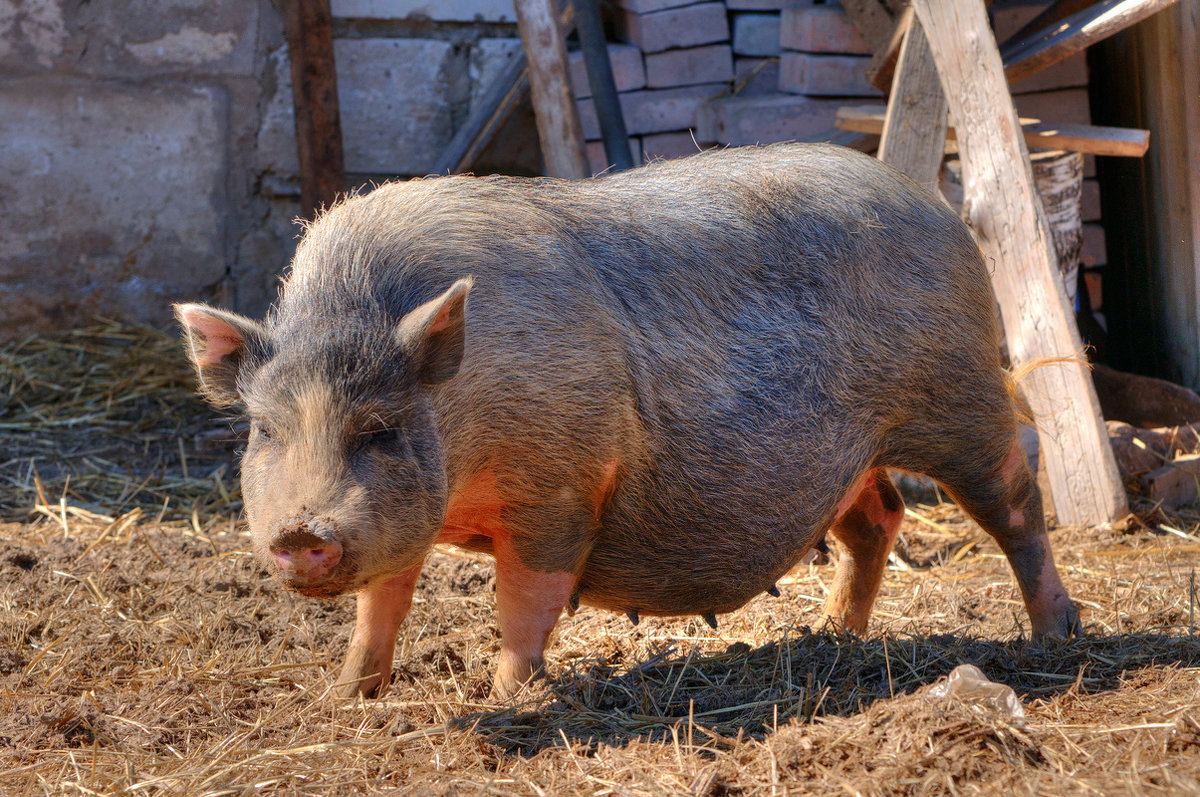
x=676 y=58
x=823 y=54
x=727 y=73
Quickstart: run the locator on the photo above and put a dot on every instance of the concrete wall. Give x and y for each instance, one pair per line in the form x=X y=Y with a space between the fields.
x=147 y=147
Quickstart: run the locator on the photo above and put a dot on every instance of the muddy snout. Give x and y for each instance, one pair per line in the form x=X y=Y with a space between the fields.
x=305 y=551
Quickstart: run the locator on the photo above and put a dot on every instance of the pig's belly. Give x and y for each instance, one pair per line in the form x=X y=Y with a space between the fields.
x=688 y=568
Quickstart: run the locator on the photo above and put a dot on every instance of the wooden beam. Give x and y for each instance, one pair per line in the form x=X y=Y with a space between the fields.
x=1074 y=33
x=558 y=123
x=882 y=67
x=915 y=126
x=1003 y=210
x=1091 y=139
x=863 y=142
x=309 y=26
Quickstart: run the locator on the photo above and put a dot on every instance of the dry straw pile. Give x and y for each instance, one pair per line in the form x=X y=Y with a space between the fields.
x=142 y=652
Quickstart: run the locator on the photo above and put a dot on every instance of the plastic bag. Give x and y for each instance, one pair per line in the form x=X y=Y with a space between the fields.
x=967 y=684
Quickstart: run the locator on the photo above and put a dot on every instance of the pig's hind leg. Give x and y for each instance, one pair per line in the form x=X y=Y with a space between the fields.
x=866 y=530
x=1001 y=494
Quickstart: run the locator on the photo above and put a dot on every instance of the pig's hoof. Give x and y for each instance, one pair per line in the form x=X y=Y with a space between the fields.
x=1062 y=626
x=514 y=675
x=369 y=686
x=839 y=626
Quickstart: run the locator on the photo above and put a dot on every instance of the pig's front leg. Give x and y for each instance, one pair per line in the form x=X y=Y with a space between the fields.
x=528 y=603
x=382 y=607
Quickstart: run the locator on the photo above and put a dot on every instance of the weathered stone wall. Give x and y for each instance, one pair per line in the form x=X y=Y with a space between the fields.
x=147 y=148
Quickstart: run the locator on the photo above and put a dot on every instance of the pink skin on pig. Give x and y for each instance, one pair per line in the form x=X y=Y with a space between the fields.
x=528 y=602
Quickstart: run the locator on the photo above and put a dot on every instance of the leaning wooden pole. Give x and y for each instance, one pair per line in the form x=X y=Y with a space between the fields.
x=1002 y=207
x=914 y=130
x=558 y=123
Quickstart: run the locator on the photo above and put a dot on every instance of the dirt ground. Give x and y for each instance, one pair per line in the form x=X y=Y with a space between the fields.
x=143 y=652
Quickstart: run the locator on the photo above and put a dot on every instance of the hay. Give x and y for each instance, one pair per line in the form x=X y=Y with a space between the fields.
x=145 y=653
x=107 y=418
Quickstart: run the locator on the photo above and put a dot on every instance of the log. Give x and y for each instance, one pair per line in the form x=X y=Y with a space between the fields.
x=1058 y=177
x=1008 y=221
x=558 y=124
x=309 y=29
x=915 y=125
x=1089 y=139
x=1074 y=33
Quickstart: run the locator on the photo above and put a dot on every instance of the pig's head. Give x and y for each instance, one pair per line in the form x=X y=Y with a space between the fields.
x=343 y=475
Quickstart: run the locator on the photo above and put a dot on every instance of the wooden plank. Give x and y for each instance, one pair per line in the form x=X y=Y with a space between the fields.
x=873 y=19
x=915 y=126
x=863 y=142
x=1175 y=87
x=1055 y=12
x=1003 y=210
x=1151 y=289
x=309 y=26
x=1090 y=139
x=1076 y=32
x=882 y=67
x=558 y=123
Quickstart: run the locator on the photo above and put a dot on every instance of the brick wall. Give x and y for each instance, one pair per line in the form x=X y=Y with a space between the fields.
x=793 y=64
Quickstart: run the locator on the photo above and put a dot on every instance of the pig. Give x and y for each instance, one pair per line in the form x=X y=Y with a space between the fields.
x=650 y=392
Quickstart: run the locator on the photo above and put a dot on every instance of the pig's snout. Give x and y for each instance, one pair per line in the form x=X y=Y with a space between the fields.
x=304 y=557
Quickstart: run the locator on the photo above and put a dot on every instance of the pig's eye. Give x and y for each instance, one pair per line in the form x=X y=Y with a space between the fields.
x=374 y=438
x=263 y=431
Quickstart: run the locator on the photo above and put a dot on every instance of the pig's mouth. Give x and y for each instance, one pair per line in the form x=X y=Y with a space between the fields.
x=339 y=581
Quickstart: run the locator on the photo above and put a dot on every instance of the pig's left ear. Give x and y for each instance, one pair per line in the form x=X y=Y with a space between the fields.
x=217 y=343
x=434 y=334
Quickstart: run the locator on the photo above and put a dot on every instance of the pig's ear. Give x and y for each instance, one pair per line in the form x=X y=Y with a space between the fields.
x=433 y=335
x=217 y=342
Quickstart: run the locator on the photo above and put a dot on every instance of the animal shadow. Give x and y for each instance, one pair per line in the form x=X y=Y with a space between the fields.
x=747 y=692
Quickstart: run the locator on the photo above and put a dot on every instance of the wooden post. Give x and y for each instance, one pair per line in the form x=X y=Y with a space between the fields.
x=558 y=123
x=314 y=93
x=1003 y=210
x=914 y=131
